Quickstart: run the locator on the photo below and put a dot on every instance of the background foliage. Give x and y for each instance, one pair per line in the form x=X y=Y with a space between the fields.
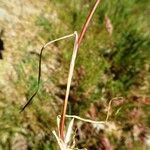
x=108 y=67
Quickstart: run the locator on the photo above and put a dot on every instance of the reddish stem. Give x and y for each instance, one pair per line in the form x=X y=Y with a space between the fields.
x=84 y=28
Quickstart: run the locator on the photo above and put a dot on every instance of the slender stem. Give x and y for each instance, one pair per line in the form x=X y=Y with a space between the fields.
x=61 y=38
x=76 y=46
x=85 y=120
x=40 y=61
x=84 y=28
x=72 y=64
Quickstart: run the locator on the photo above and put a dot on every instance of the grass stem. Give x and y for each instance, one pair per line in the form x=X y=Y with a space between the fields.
x=76 y=47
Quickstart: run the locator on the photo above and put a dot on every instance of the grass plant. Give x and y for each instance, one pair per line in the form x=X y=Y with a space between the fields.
x=110 y=81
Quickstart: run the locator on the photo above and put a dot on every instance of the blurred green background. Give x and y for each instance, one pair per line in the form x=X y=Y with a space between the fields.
x=113 y=64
